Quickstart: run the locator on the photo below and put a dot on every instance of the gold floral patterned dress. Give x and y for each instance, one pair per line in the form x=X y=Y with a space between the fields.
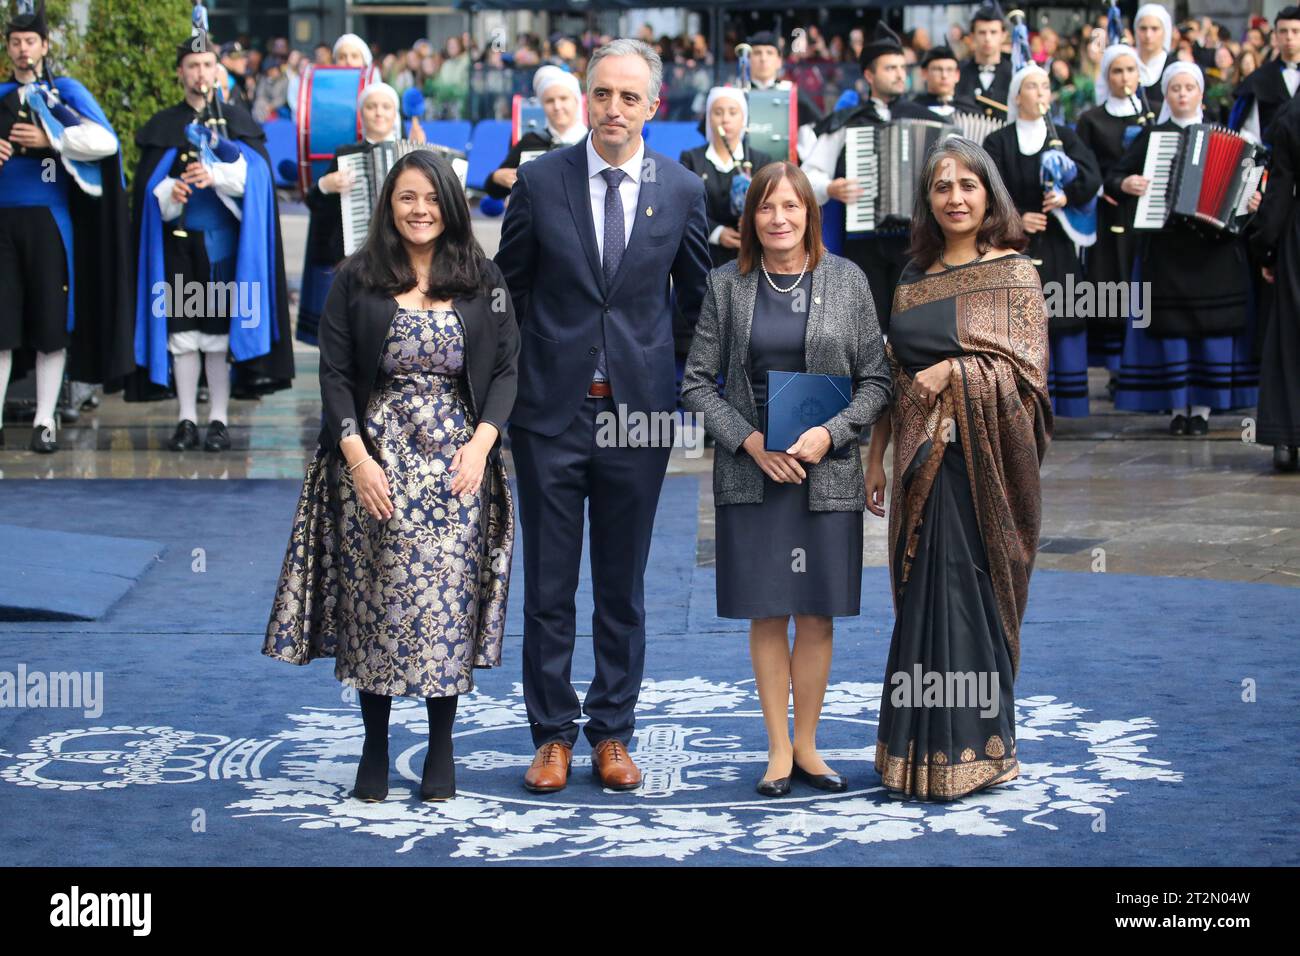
x=407 y=606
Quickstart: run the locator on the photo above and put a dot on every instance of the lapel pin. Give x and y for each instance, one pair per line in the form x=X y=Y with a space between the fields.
x=817 y=300
x=649 y=211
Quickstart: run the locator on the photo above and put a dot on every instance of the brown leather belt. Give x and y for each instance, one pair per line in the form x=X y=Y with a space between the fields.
x=599 y=390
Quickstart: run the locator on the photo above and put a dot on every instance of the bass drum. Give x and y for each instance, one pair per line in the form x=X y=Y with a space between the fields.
x=327 y=115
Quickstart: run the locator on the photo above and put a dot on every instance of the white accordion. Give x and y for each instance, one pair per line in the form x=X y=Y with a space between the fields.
x=369 y=166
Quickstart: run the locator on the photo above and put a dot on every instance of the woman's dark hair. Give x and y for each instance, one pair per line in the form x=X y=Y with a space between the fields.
x=1001 y=228
x=765 y=180
x=382 y=262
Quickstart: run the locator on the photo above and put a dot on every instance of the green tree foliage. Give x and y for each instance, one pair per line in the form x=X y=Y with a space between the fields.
x=124 y=53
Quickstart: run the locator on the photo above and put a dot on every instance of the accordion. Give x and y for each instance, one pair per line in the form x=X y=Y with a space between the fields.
x=369 y=165
x=887 y=160
x=1201 y=174
x=976 y=126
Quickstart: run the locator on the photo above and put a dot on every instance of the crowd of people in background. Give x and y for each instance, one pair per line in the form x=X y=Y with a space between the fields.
x=475 y=78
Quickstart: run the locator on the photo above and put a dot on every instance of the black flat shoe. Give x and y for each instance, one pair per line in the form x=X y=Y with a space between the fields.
x=830 y=782
x=774 y=788
x=1196 y=425
x=186 y=436
x=1285 y=458
x=43 y=441
x=1178 y=425
x=218 y=437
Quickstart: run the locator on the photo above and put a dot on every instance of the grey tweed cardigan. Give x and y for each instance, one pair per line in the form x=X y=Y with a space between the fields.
x=842 y=338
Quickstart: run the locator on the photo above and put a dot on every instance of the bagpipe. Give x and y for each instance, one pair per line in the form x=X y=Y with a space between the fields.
x=205 y=142
x=39 y=104
x=1146 y=116
x=1056 y=169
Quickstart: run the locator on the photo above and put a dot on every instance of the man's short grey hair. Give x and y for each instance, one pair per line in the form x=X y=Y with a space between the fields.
x=626 y=46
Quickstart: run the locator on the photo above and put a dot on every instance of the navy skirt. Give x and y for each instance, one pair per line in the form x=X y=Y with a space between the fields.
x=778 y=558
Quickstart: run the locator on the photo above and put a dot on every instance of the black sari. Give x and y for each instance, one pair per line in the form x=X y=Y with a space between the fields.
x=963 y=523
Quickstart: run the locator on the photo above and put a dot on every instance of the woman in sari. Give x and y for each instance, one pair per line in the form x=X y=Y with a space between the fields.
x=970 y=421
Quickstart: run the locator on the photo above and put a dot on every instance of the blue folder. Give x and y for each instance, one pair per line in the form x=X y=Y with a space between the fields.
x=798 y=401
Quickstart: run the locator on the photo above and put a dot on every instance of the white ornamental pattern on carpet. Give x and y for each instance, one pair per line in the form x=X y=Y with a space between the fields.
x=694 y=743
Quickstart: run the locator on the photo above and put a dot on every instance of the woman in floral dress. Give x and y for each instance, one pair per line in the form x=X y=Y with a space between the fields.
x=398 y=561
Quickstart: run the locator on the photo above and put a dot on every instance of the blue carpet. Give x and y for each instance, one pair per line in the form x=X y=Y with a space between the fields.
x=1137 y=741
x=61 y=576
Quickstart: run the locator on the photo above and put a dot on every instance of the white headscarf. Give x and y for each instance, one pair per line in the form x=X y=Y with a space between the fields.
x=546 y=77
x=1013 y=94
x=732 y=93
x=1156 y=10
x=385 y=90
x=353 y=40
x=1114 y=51
x=1172 y=70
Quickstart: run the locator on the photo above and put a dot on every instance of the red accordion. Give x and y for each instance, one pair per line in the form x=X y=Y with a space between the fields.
x=1200 y=174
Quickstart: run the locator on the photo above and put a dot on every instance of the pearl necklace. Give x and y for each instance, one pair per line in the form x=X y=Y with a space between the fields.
x=763 y=263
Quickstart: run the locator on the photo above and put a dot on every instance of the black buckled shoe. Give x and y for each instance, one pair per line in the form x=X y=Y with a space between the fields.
x=218 y=437
x=1196 y=425
x=43 y=442
x=1285 y=458
x=186 y=436
x=830 y=782
x=1178 y=425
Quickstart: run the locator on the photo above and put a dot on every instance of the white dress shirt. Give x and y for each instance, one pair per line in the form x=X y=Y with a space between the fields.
x=628 y=191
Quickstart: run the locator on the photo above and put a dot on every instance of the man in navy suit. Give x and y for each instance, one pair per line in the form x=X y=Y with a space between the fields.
x=598 y=239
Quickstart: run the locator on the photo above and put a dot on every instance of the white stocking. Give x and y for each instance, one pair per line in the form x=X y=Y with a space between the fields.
x=49 y=379
x=185 y=366
x=214 y=363
x=6 y=364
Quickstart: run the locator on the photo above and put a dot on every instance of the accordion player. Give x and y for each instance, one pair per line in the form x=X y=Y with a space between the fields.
x=841 y=166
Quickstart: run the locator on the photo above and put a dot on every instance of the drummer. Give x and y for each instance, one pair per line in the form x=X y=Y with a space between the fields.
x=561 y=99
x=351 y=50
x=765 y=67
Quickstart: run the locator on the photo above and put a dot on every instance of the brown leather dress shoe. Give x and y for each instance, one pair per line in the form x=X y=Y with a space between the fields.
x=613 y=765
x=549 y=770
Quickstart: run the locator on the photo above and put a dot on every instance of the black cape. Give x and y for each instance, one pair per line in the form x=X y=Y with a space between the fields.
x=1275 y=240
x=166 y=130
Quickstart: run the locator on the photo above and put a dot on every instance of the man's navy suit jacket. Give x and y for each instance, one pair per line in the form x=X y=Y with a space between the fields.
x=552 y=265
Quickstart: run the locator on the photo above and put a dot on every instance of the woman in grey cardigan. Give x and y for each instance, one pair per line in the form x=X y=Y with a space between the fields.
x=789 y=523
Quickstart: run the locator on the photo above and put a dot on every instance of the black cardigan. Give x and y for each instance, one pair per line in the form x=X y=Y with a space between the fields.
x=356 y=323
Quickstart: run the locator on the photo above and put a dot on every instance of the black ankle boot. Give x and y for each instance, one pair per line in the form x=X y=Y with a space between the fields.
x=372 y=771
x=438 y=780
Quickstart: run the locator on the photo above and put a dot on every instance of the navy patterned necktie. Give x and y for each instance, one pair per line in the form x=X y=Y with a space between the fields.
x=615 y=239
